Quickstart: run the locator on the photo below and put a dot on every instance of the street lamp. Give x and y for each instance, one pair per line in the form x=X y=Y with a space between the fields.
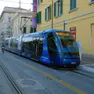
x=65 y=23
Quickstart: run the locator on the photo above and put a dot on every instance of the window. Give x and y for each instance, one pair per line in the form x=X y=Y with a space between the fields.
x=58 y=8
x=32 y=29
x=52 y=47
x=48 y=13
x=9 y=19
x=92 y=0
x=38 y=17
x=6 y=43
x=40 y=41
x=39 y=2
x=14 y=43
x=72 y=4
x=24 y=29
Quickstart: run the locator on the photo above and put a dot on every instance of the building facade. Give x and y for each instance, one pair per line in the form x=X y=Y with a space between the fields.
x=5 y=21
x=75 y=16
x=22 y=22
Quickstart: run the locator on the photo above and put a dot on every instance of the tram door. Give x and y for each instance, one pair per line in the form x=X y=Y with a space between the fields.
x=52 y=48
x=35 y=48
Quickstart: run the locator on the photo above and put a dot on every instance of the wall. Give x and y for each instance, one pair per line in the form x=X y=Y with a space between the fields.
x=81 y=18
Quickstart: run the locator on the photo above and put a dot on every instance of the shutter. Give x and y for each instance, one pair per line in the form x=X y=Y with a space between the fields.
x=61 y=11
x=74 y=4
x=70 y=4
x=55 y=9
x=39 y=17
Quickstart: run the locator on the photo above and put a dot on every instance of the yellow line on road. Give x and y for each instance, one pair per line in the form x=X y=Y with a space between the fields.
x=78 y=91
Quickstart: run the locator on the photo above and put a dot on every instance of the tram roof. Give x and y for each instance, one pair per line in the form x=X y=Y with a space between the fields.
x=43 y=32
x=27 y=37
x=54 y=30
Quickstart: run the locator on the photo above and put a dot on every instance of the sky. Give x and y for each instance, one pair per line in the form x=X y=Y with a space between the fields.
x=26 y=4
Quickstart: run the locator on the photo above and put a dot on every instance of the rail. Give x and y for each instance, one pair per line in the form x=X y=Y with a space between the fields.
x=11 y=80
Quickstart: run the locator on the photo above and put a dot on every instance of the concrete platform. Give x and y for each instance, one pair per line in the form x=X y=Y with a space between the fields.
x=87 y=62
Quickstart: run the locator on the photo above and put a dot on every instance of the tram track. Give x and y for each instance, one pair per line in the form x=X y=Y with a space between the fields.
x=77 y=72
x=74 y=70
x=84 y=73
x=17 y=89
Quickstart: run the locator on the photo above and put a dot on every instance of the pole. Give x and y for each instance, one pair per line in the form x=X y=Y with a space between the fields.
x=52 y=14
x=19 y=3
x=19 y=24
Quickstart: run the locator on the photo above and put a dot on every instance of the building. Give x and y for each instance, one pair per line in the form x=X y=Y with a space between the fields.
x=22 y=22
x=76 y=16
x=5 y=21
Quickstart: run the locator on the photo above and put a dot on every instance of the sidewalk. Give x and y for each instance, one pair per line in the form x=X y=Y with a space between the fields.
x=87 y=62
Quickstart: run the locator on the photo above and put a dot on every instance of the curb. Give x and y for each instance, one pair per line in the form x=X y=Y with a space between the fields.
x=83 y=67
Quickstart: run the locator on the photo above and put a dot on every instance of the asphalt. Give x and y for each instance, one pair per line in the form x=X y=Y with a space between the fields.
x=39 y=79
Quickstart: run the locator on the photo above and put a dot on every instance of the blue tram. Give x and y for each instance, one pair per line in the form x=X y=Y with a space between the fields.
x=52 y=47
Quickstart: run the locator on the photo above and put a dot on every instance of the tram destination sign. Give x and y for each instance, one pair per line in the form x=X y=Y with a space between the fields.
x=62 y=34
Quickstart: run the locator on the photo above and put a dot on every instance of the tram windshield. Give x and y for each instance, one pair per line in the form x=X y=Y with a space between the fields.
x=68 y=43
x=66 y=39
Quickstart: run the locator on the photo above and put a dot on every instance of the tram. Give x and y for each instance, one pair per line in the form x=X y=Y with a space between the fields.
x=52 y=47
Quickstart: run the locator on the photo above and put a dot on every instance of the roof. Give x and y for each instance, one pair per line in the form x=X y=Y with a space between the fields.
x=11 y=9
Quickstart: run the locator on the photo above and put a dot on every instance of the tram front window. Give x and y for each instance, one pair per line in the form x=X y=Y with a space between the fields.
x=68 y=43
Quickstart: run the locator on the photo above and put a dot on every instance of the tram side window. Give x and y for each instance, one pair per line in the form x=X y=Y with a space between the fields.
x=30 y=46
x=25 y=47
x=6 y=43
x=51 y=43
x=40 y=45
x=10 y=43
x=34 y=46
x=14 y=43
